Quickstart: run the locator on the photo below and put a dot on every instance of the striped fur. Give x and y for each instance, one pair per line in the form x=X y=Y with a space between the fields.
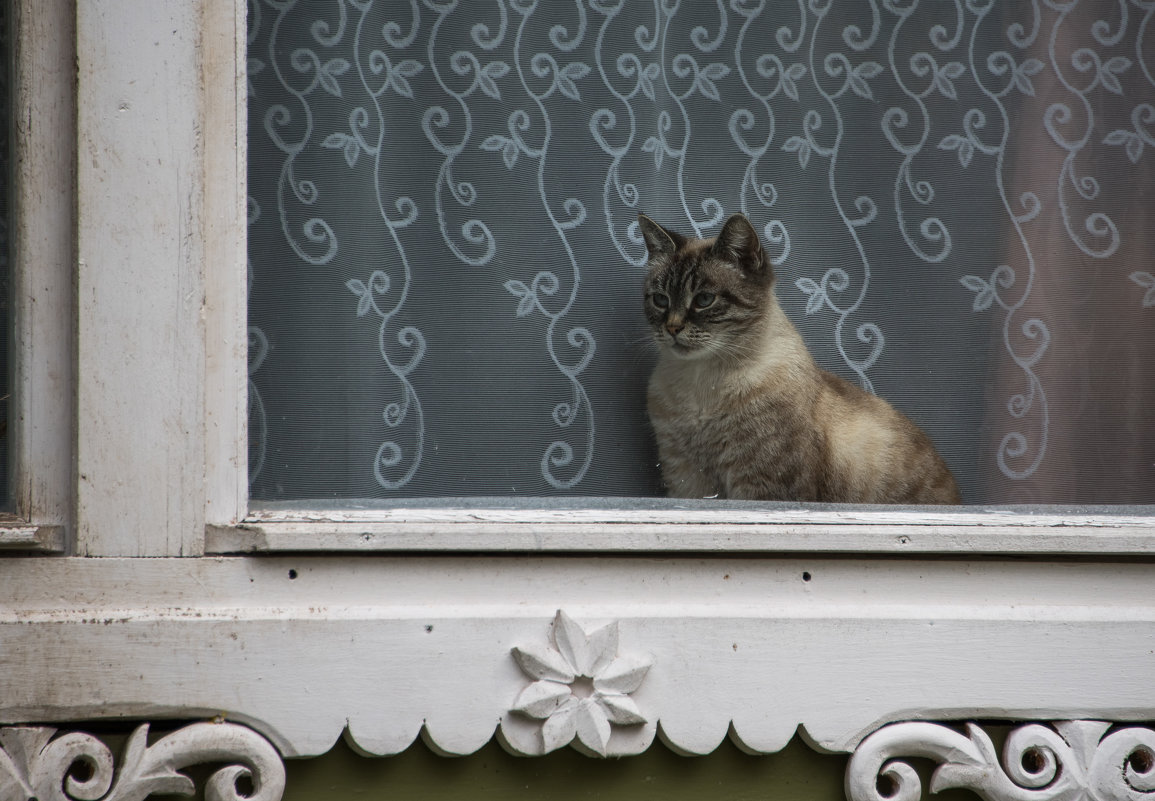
x=738 y=405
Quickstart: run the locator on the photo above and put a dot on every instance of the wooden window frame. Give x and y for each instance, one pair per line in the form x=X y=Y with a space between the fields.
x=43 y=135
x=171 y=599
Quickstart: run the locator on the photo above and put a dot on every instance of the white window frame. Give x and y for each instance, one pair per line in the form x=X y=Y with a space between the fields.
x=42 y=159
x=755 y=622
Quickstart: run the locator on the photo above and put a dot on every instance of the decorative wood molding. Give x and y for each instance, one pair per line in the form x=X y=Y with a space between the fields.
x=384 y=650
x=582 y=685
x=39 y=763
x=1079 y=759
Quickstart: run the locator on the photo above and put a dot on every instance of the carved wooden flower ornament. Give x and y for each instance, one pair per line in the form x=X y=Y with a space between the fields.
x=582 y=685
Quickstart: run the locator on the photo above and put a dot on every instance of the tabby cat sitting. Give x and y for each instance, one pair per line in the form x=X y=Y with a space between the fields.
x=738 y=405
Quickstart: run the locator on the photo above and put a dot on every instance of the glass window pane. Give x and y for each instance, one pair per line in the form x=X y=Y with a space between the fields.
x=446 y=270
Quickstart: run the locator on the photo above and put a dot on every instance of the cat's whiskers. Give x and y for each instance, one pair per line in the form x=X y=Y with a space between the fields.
x=647 y=341
x=733 y=351
x=642 y=349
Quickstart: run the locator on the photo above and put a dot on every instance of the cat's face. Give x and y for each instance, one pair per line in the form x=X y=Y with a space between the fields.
x=706 y=297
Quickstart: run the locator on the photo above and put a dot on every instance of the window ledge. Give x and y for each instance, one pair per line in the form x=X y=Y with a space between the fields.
x=643 y=526
x=21 y=536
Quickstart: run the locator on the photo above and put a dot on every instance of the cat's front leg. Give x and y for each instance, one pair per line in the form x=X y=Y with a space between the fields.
x=685 y=479
x=771 y=483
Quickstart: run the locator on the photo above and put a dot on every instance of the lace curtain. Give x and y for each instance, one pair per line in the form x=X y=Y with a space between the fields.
x=445 y=265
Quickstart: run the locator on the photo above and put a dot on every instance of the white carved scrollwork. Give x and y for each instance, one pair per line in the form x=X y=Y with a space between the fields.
x=582 y=685
x=1069 y=761
x=37 y=763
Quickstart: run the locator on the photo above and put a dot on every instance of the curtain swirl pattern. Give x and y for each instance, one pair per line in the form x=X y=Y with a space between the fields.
x=446 y=268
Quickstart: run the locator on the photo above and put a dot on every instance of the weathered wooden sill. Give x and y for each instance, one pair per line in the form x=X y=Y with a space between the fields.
x=695 y=527
x=20 y=535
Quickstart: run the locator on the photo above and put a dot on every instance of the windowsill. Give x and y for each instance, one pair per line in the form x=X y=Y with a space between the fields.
x=658 y=524
x=17 y=534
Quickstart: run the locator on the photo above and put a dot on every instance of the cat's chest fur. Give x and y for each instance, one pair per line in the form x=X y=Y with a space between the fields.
x=693 y=404
x=711 y=423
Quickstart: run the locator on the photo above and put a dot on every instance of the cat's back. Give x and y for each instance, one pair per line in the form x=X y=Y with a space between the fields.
x=880 y=454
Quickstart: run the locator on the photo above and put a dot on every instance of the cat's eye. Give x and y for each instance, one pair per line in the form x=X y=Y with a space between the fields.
x=704 y=300
x=660 y=300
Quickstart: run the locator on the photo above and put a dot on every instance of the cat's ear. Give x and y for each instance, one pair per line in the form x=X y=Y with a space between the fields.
x=659 y=241
x=738 y=243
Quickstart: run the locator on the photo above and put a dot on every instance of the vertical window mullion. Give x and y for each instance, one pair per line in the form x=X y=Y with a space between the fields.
x=43 y=172
x=140 y=279
x=226 y=290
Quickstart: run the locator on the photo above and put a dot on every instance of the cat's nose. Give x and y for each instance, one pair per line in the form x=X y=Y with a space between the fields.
x=674 y=326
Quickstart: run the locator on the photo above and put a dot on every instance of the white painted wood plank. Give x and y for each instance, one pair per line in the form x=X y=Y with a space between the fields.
x=141 y=205
x=31 y=537
x=43 y=180
x=678 y=530
x=673 y=513
x=303 y=647
x=226 y=240
x=619 y=538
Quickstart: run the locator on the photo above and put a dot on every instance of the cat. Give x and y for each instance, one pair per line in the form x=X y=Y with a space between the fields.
x=739 y=407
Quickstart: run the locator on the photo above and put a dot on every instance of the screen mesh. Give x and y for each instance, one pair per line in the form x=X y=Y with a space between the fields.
x=446 y=271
